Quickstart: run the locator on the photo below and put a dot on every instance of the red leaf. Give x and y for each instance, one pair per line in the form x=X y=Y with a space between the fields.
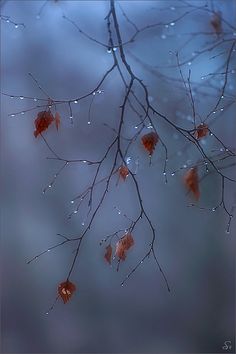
x=123 y=172
x=192 y=182
x=124 y=245
x=66 y=290
x=201 y=131
x=149 y=141
x=42 y=122
x=108 y=254
x=57 y=120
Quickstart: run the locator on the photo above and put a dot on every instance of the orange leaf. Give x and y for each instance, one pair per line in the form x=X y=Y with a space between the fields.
x=108 y=254
x=124 y=245
x=66 y=290
x=42 y=122
x=201 y=131
x=149 y=141
x=57 y=120
x=123 y=172
x=192 y=182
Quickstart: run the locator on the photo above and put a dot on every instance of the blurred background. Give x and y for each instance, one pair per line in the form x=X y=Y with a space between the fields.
x=196 y=253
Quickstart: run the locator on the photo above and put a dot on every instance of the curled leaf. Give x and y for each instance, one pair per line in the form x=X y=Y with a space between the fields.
x=123 y=172
x=201 y=131
x=149 y=141
x=108 y=254
x=66 y=290
x=42 y=122
x=57 y=120
x=192 y=182
x=123 y=245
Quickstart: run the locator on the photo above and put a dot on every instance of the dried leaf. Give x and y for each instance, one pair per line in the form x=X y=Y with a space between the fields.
x=57 y=120
x=216 y=23
x=192 y=182
x=149 y=141
x=42 y=122
x=108 y=254
x=66 y=290
x=123 y=245
x=123 y=172
x=201 y=131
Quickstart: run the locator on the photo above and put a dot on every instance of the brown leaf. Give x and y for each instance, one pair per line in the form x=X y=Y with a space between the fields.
x=123 y=245
x=149 y=141
x=66 y=290
x=42 y=122
x=192 y=182
x=201 y=131
x=57 y=120
x=108 y=254
x=123 y=172
x=216 y=23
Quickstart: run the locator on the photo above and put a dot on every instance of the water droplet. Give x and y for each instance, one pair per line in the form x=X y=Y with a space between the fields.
x=89 y=122
x=50 y=186
x=11 y=96
x=82 y=223
x=114 y=49
x=213 y=209
x=166 y=26
x=173 y=173
x=21 y=97
x=222 y=96
x=37 y=17
x=214 y=112
x=46 y=313
x=22 y=112
x=227 y=231
x=172 y=24
x=109 y=51
x=136 y=127
x=128 y=160
x=12 y=115
x=35 y=100
x=16 y=26
x=72 y=201
x=163 y=36
x=164 y=173
x=122 y=284
x=75 y=101
x=221 y=109
x=172 y=8
x=189 y=63
x=48 y=250
x=75 y=211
